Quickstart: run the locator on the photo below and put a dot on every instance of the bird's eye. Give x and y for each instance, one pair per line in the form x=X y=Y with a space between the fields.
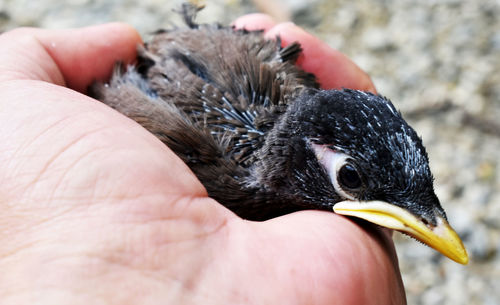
x=343 y=172
x=348 y=177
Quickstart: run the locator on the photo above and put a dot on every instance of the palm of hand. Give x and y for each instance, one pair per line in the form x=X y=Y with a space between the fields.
x=95 y=208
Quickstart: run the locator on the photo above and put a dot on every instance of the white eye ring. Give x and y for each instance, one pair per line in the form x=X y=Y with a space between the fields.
x=332 y=161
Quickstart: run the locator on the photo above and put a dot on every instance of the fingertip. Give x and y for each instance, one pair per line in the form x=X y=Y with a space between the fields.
x=124 y=32
x=254 y=22
x=285 y=29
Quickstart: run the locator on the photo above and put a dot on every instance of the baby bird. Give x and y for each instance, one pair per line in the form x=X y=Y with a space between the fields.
x=265 y=140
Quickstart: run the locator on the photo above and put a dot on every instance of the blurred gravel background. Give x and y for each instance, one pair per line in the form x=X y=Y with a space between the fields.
x=439 y=61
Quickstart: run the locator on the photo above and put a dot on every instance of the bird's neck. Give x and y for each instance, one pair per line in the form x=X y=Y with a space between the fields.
x=288 y=170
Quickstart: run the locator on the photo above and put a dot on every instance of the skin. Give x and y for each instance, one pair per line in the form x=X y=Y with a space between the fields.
x=95 y=210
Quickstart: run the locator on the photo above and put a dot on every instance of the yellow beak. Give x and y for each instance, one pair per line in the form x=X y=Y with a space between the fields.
x=440 y=237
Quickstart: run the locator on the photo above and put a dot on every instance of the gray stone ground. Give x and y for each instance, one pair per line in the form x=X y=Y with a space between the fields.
x=439 y=61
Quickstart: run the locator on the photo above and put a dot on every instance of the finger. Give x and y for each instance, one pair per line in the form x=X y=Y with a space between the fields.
x=332 y=68
x=335 y=259
x=254 y=22
x=74 y=58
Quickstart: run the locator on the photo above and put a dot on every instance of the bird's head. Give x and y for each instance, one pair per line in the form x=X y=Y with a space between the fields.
x=370 y=162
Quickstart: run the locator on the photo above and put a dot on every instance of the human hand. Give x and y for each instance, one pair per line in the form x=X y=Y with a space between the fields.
x=95 y=210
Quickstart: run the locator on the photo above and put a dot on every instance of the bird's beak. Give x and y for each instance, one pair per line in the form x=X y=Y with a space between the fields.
x=440 y=237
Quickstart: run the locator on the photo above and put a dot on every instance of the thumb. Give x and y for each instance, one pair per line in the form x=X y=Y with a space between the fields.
x=72 y=58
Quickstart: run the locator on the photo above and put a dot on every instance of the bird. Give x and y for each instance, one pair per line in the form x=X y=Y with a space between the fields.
x=265 y=140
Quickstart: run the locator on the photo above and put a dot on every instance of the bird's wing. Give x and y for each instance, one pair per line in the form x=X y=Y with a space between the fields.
x=129 y=93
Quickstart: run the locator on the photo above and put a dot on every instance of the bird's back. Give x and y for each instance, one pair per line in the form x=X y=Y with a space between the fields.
x=233 y=83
